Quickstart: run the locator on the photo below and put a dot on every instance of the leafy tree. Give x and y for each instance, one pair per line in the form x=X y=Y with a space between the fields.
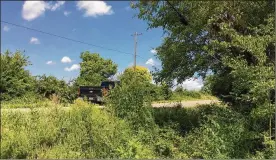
x=15 y=80
x=139 y=74
x=95 y=69
x=50 y=85
x=232 y=39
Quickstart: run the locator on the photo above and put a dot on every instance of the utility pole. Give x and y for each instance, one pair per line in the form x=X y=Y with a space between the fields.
x=135 y=47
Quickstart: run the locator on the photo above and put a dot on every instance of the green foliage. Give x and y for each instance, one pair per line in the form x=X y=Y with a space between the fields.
x=179 y=119
x=132 y=99
x=225 y=37
x=222 y=37
x=212 y=131
x=30 y=100
x=95 y=69
x=132 y=102
x=82 y=132
x=219 y=135
x=18 y=86
x=164 y=93
x=207 y=85
x=179 y=94
x=250 y=68
x=161 y=92
x=135 y=75
x=15 y=80
x=50 y=85
x=234 y=40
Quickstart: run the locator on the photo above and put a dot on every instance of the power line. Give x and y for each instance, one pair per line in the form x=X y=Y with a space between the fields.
x=78 y=41
x=55 y=35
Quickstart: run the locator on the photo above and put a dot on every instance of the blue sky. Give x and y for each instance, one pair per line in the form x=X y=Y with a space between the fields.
x=108 y=24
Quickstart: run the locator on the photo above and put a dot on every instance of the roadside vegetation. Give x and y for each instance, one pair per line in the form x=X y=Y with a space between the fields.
x=226 y=38
x=181 y=94
x=43 y=91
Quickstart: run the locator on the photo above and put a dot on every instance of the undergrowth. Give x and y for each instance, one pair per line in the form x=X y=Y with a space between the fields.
x=85 y=131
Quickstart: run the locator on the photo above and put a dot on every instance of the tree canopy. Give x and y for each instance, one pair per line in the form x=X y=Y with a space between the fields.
x=233 y=39
x=15 y=80
x=138 y=75
x=95 y=69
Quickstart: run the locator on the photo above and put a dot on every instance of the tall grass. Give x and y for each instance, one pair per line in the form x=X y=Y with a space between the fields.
x=185 y=95
x=82 y=132
x=28 y=101
x=85 y=131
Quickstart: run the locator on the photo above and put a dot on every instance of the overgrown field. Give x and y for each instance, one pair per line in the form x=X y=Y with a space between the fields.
x=230 y=45
x=85 y=131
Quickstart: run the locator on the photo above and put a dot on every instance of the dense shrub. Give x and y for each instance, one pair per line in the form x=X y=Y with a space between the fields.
x=181 y=120
x=212 y=131
x=133 y=103
x=47 y=86
x=141 y=75
x=15 y=80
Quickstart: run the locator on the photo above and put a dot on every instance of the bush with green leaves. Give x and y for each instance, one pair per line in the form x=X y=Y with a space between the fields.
x=215 y=131
x=15 y=80
x=136 y=74
x=131 y=102
x=182 y=120
x=19 y=85
x=47 y=86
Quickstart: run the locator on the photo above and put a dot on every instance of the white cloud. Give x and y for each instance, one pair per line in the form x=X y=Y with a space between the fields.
x=72 y=68
x=66 y=13
x=33 y=9
x=94 y=8
x=6 y=28
x=57 y=5
x=66 y=59
x=50 y=63
x=34 y=40
x=153 y=51
x=191 y=84
x=150 y=62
